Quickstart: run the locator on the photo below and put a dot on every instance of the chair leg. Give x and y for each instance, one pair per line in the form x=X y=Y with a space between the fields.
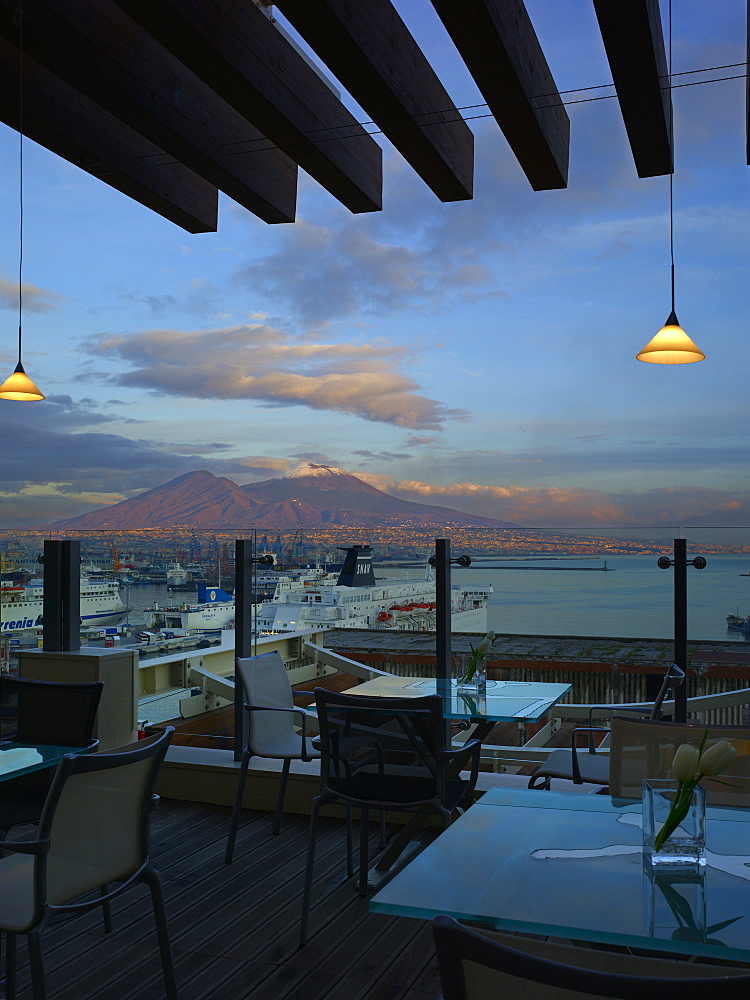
x=307 y=892
x=382 y=829
x=240 y=791
x=349 y=840
x=106 y=909
x=37 y=964
x=10 y=966
x=282 y=793
x=364 y=823
x=162 y=932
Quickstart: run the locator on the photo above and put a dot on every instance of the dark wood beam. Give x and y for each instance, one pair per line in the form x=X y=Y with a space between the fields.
x=65 y=122
x=238 y=52
x=499 y=46
x=370 y=50
x=634 y=42
x=97 y=50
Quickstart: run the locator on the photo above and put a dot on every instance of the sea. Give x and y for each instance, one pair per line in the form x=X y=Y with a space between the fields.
x=574 y=595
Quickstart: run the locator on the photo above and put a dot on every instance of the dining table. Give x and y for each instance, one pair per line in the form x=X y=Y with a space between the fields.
x=501 y=701
x=573 y=866
x=17 y=759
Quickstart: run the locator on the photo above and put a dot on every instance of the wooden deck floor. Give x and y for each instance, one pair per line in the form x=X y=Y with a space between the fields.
x=234 y=928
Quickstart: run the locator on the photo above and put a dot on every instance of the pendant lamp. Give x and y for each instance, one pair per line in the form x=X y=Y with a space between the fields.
x=671 y=345
x=18 y=385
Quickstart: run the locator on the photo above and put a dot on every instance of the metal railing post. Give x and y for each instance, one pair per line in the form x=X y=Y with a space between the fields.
x=61 y=607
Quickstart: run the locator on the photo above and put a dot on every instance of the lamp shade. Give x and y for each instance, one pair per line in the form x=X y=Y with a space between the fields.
x=19 y=386
x=671 y=346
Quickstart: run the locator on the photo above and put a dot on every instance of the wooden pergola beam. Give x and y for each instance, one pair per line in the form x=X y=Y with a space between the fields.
x=97 y=50
x=238 y=52
x=371 y=51
x=502 y=52
x=634 y=43
x=65 y=122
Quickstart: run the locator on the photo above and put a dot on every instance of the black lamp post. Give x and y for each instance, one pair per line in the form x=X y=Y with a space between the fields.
x=246 y=560
x=442 y=562
x=680 y=563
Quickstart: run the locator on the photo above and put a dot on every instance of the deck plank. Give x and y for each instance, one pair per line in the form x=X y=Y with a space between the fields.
x=234 y=928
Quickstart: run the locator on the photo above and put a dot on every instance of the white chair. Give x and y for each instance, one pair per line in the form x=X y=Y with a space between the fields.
x=271 y=714
x=93 y=833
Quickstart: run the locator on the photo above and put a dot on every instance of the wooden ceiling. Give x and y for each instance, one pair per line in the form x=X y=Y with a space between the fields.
x=171 y=101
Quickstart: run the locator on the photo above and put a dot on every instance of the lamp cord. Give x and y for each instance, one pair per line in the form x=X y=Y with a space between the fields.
x=671 y=150
x=18 y=19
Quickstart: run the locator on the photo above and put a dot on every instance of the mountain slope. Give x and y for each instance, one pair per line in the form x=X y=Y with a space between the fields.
x=197 y=499
x=312 y=496
x=340 y=498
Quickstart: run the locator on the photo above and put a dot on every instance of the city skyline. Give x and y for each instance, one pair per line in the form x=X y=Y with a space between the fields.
x=477 y=355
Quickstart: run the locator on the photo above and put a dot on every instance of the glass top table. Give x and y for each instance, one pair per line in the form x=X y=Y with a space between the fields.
x=505 y=701
x=571 y=866
x=18 y=763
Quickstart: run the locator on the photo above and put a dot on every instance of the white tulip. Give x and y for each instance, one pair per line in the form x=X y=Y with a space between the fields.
x=716 y=759
x=685 y=762
x=484 y=646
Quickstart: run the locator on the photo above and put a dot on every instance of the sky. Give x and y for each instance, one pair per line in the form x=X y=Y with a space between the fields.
x=478 y=355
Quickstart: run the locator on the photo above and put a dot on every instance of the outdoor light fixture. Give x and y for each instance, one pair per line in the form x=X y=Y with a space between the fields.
x=671 y=345
x=18 y=385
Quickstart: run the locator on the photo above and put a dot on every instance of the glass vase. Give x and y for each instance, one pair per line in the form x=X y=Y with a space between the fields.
x=477 y=683
x=685 y=846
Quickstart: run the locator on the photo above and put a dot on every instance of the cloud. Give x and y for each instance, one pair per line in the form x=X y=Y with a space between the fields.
x=35 y=299
x=261 y=363
x=382 y=456
x=576 y=507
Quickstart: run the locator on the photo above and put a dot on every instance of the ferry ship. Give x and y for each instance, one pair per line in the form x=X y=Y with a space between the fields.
x=215 y=607
x=358 y=600
x=22 y=606
x=315 y=598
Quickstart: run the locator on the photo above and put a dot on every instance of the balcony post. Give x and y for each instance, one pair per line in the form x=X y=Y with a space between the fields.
x=61 y=607
x=244 y=570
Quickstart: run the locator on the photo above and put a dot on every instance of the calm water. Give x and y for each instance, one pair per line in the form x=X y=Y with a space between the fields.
x=636 y=600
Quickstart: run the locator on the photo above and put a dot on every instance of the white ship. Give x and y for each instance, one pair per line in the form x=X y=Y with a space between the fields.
x=314 y=598
x=215 y=608
x=21 y=607
x=358 y=600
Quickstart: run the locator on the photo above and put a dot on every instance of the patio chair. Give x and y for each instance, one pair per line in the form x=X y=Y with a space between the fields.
x=644 y=748
x=271 y=714
x=587 y=766
x=93 y=833
x=407 y=767
x=42 y=713
x=476 y=966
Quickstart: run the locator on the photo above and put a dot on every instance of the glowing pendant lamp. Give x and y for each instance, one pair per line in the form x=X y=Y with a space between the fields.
x=671 y=345
x=18 y=385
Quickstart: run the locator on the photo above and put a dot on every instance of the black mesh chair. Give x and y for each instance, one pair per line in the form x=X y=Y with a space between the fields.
x=477 y=967
x=385 y=754
x=42 y=713
x=585 y=765
x=93 y=838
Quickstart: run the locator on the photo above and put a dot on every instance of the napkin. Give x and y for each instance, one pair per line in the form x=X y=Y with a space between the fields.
x=18 y=757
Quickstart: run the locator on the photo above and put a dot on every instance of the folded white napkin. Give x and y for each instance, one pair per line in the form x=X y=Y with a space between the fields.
x=18 y=757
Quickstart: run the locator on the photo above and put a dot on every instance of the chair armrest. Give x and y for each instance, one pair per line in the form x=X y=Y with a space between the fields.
x=614 y=710
x=460 y=754
x=460 y=757
x=586 y=729
x=26 y=846
x=294 y=711
x=575 y=767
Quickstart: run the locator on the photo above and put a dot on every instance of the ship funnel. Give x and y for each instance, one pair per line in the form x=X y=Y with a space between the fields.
x=357 y=570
